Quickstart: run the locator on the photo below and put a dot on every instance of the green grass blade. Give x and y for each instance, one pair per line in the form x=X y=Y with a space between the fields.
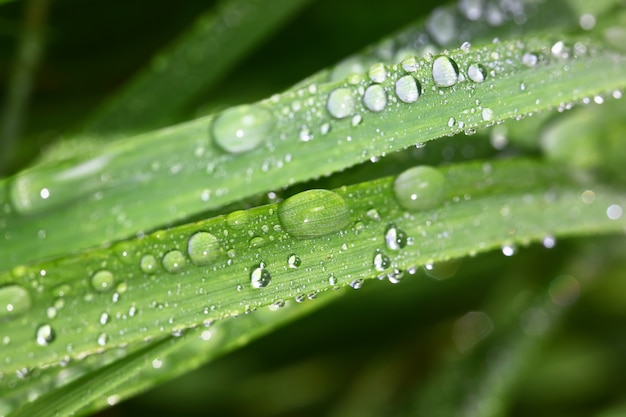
x=293 y=138
x=196 y=61
x=149 y=287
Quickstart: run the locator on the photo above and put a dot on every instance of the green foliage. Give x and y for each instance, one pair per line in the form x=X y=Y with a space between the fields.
x=473 y=158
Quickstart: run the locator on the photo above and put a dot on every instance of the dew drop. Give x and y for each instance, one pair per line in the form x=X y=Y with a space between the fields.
x=203 y=248
x=381 y=261
x=332 y=280
x=242 y=129
x=472 y=9
x=487 y=114
x=375 y=98
x=442 y=270
x=420 y=188
x=260 y=277
x=45 y=335
x=148 y=264
x=14 y=301
x=174 y=261
x=477 y=73
x=313 y=213
x=238 y=219
x=377 y=73
x=548 y=242
x=441 y=26
x=102 y=281
x=357 y=284
x=293 y=261
x=614 y=212
x=529 y=59
x=407 y=89
x=395 y=238
x=508 y=250
x=102 y=339
x=445 y=72
x=395 y=276
x=373 y=214
x=341 y=103
x=409 y=64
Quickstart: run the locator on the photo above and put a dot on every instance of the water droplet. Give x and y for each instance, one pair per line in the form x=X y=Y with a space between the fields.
x=445 y=72
x=395 y=276
x=313 y=213
x=614 y=212
x=174 y=261
x=377 y=73
x=420 y=188
x=477 y=73
x=357 y=284
x=472 y=9
x=293 y=261
x=549 y=242
x=356 y=120
x=587 y=21
x=442 y=270
x=409 y=64
x=242 y=129
x=260 y=277
x=102 y=339
x=375 y=98
x=14 y=301
x=381 y=261
x=341 y=103
x=441 y=25
x=203 y=248
x=508 y=250
x=487 y=114
x=373 y=214
x=332 y=280
x=104 y=318
x=529 y=59
x=148 y=264
x=45 y=335
x=407 y=89
x=395 y=238
x=238 y=219
x=102 y=281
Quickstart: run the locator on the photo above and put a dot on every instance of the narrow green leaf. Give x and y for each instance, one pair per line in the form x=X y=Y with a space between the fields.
x=145 y=288
x=296 y=138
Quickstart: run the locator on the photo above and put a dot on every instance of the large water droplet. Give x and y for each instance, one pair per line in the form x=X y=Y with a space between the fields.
x=14 y=300
x=238 y=219
x=203 y=248
x=407 y=89
x=445 y=72
x=260 y=277
x=293 y=261
x=174 y=261
x=395 y=238
x=420 y=188
x=148 y=264
x=45 y=335
x=341 y=103
x=313 y=213
x=243 y=128
x=377 y=73
x=102 y=280
x=375 y=98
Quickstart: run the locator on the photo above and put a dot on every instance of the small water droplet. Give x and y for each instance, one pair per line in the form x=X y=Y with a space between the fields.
x=14 y=301
x=395 y=238
x=104 y=318
x=242 y=129
x=341 y=103
x=549 y=242
x=102 y=339
x=407 y=89
x=472 y=9
x=313 y=213
x=356 y=120
x=442 y=270
x=395 y=276
x=375 y=98
x=381 y=261
x=238 y=219
x=529 y=59
x=377 y=73
x=420 y=188
x=174 y=261
x=441 y=25
x=148 y=264
x=373 y=214
x=260 y=277
x=293 y=261
x=325 y=128
x=477 y=73
x=409 y=64
x=487 y=114
x=357 y=284
x=332 y=280
x=445 y=72
x=508 y=250
x=203 y=248
x=45 y=335
x=102 y=281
